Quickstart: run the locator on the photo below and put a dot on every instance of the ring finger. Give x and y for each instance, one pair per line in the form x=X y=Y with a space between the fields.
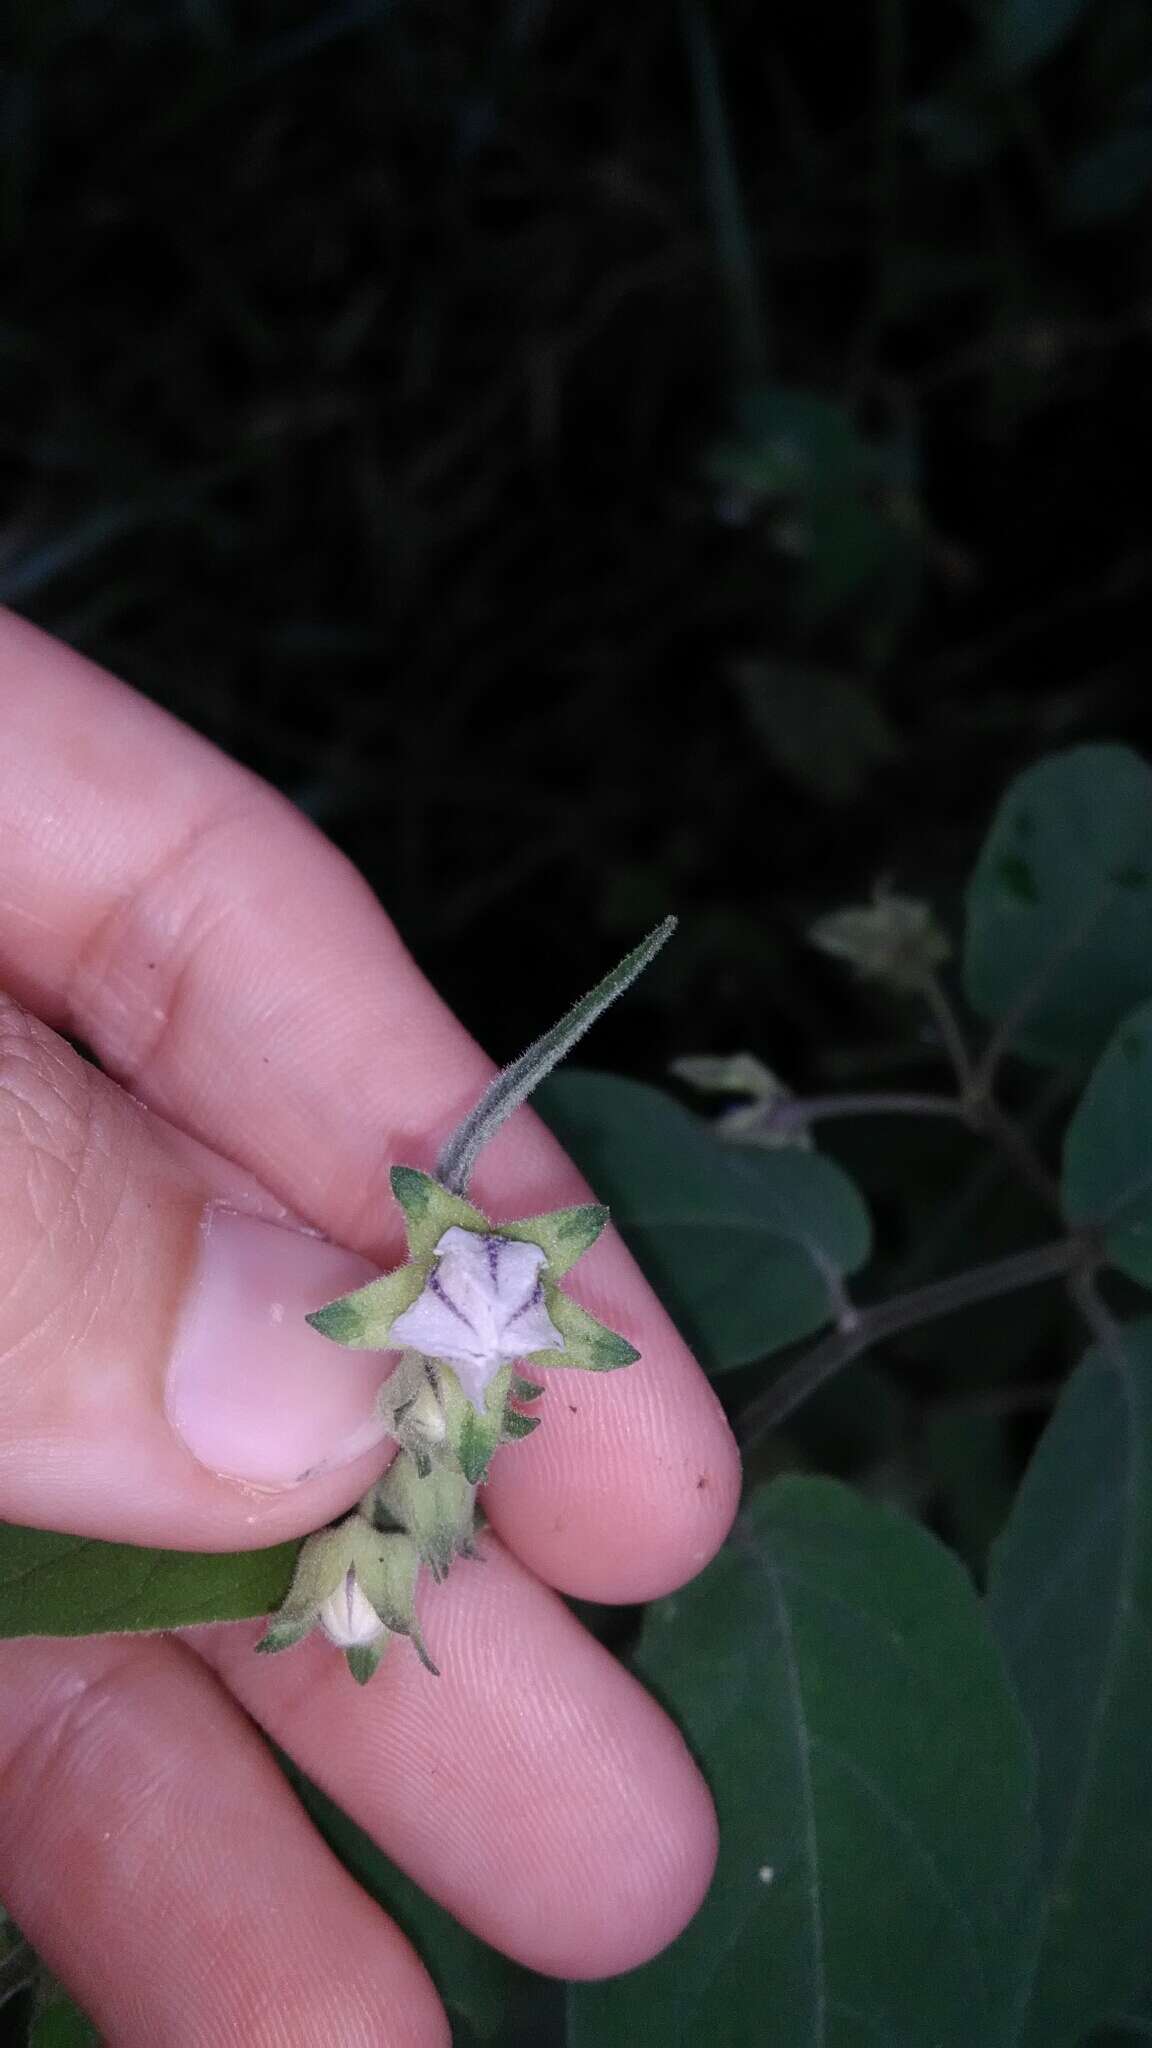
x=128 y=1784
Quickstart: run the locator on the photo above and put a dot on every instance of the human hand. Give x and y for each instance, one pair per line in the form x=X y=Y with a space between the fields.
x=269 y=1048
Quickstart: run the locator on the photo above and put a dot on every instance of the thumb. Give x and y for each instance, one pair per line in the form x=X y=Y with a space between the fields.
x=158 y=1382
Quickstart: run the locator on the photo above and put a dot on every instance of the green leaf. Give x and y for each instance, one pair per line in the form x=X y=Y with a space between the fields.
x=1107 y=1178
x=961 y=128
x=827 y=732
x=474 y=1982
x=1060 y=904
x=1026 y=32
x=852 y=542
x=514 y=1084
x=1128 y=2028
x=59 y=2023
x=746 y=1248
x=54 y=1585
x=972 y=1478
x=794 y=443
x=1070 y=1600
x=834 y=1675
x=1108 y=179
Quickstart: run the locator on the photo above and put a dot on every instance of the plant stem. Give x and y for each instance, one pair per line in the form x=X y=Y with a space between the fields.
x=1033 y=991
x=985 y=1118
x=513 y=1085
x=985 y=1115
x=1066 y=1256
x=1003 y=1401
x=976 y=1191
x=951 y=1033
x=724 y=201
x=802 y=1110
x=1096 y=1313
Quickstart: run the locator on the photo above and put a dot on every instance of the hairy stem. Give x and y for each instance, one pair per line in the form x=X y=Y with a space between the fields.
x=952 y=1225
x=984 y=1114
x=950 y=1030
x=513 y=1085
x=724 y=202
x=1065 y=1257
x=1033 y=991
x=1107 y=1331
x=796 y=1114
x=985 y=1118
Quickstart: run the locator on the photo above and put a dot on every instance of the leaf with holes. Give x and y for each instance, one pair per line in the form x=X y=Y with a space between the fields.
x=1070 y=1600
x=54 y=1585
x=1060 y=904
x=747 y=1249
x=834 y=1674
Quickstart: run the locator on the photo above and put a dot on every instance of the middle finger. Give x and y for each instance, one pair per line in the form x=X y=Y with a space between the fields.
x=534 y=1788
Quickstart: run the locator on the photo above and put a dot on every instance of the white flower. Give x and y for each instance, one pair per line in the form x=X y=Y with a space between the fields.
x=482 y=1307
x=348 y=1616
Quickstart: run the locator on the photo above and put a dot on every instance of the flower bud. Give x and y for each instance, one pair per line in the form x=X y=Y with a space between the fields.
x=424 y=1417
x=894 y=939
x=357 y=1583
x=736 y=1073
x=757 y=1121
x=348 y=1617
x=437 y=1510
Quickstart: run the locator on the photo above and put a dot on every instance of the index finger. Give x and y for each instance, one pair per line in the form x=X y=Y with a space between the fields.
x=229 y=966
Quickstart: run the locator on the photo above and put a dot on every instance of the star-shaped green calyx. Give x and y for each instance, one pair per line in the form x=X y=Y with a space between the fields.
x=363 y=1320
x=474 y=1298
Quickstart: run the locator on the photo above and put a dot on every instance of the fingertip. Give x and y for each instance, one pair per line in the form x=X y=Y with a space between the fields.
x=641 y=1905
x=603 y=1509
x=534 y=1788
x=632 y=1482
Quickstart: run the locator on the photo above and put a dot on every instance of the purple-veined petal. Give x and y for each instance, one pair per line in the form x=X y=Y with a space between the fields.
x=481 y=1308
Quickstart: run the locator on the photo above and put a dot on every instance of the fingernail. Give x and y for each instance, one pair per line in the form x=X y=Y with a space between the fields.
x=254 y=1392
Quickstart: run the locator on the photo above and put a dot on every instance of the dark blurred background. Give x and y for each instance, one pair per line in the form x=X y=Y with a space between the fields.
x=597 y=459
